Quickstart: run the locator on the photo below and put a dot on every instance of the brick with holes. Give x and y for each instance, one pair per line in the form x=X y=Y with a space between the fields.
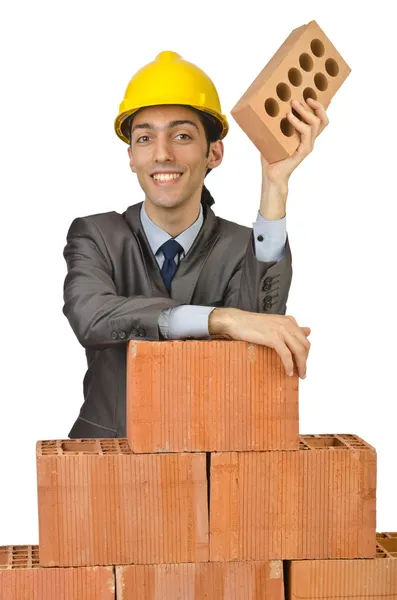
x=306 y=65
x=22 y=578
x=228 y=395
x=347 y=579
x=316 y=502
x=101 y=504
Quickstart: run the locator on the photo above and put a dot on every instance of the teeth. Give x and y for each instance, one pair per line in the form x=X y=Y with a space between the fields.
x=166 y=177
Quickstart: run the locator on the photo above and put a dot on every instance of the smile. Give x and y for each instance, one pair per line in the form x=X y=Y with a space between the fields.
x=166 y=178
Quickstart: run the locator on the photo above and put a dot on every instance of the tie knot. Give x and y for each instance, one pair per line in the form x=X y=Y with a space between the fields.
x=170 y=249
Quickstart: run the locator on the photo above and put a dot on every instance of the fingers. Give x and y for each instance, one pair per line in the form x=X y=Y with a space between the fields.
x=315 y=122
x=318 y=120
x=305 y=330
x=285 y=354
x=320 y=112
x=299 y=351
x=280 y=332
x=293 y=344
x=310 y=117
x=305 y=130
x=301 y=337
x=288 y=347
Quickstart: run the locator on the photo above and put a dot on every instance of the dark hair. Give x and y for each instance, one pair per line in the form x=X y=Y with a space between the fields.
x=213 y=132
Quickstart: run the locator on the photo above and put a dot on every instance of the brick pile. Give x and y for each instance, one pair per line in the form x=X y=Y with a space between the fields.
x=212 y=495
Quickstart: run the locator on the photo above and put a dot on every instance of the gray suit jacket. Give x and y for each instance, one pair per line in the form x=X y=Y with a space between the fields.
x=114 y=292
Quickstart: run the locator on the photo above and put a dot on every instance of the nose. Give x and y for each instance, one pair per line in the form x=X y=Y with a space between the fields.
x=163 y=151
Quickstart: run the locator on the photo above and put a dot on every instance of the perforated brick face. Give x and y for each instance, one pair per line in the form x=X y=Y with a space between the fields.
x=307 y=65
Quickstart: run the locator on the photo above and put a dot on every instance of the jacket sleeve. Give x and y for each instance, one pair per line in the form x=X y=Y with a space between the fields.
x=99 y=317
x=260 y=286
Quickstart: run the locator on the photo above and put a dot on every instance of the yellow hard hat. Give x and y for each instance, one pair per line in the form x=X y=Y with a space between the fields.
x=170 y=79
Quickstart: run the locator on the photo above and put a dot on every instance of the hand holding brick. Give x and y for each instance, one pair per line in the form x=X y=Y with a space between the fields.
x=306 y=65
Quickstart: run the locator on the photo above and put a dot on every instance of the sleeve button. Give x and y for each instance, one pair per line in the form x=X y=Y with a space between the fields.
x=267 y=284
x=115 y=335
x=260 y=238
x=122 y=335
x=267 y=303
x=142 y=333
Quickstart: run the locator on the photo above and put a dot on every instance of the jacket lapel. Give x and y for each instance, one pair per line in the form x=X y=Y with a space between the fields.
x=185 y=280
x=132 y=217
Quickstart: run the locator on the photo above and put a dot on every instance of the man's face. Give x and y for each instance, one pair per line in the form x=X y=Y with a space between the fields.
x=168 y=154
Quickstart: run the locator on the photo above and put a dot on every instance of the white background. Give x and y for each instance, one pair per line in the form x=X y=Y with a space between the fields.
x=64 y=70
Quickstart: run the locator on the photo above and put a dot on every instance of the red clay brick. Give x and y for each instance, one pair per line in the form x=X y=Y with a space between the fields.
x=228 y=395
x=22 y=578
x=306 y=65
x=100 y=504
x=201 y=581
x=316 y=502
x=347 y=579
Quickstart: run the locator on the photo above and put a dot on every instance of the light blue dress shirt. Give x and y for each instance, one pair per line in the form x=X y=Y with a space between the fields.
x=190 y=320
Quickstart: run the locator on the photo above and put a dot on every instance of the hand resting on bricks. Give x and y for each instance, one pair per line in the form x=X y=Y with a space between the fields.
x=280 y=332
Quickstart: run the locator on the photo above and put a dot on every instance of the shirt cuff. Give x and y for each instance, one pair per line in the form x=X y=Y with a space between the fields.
x=270 y=238
x=185 y=321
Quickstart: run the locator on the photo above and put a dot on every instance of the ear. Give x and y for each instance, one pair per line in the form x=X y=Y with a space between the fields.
x=132 y=164
x=216 y=154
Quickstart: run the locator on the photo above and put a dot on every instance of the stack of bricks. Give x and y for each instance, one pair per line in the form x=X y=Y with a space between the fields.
x=213 y=495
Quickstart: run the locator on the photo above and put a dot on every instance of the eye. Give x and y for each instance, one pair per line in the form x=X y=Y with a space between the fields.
x=140 y=138
x=184 y=134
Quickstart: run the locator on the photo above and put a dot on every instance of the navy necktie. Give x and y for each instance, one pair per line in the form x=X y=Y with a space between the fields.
x=170 y=249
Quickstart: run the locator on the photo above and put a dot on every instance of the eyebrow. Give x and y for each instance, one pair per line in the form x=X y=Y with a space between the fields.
x=171 y=124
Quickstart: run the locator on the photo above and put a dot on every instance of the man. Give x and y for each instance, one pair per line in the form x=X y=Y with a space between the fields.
x=168 y=268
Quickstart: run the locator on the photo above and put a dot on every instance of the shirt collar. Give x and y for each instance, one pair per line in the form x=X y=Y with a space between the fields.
x=157 y=236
